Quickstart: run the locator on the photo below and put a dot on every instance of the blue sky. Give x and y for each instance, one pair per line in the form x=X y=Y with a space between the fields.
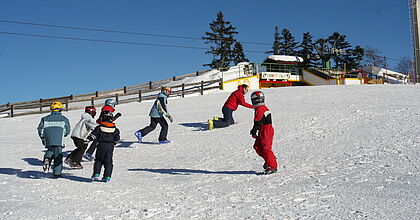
x=33 y=67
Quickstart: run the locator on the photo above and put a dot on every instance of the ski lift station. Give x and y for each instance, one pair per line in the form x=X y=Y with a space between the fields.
x=282 y=70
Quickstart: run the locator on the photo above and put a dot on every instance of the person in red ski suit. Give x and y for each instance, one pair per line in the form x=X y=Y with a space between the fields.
x=235 y=99
x=263 y=132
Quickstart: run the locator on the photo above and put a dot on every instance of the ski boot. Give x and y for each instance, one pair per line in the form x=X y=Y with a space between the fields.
x=69 y=162
x=77 y=166
x=88 y=156
x=46 y=164
x=164 y=142
x=106 y=179
x=210 y=124
x=269 y=171
x=95 y=177
x=138 y=135
x=56 y=176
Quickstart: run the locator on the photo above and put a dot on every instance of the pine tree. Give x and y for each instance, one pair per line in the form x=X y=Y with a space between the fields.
x=238 y=54
x=354 y=57
x=288 y=45
x=222 y=40
x=338 y=42
x=323 y=50
x=276 y=43
x=307 y=49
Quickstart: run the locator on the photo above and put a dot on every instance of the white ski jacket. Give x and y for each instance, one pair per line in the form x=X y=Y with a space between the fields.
x=84 y=127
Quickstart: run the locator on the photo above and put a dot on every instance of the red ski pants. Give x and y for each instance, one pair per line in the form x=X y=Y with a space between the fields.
x=263 y=146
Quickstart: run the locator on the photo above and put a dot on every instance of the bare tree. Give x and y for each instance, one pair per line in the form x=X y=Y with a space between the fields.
x=405 y=65
x=373 y=57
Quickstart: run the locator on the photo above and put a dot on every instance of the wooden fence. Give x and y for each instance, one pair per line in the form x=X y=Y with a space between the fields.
x=137 y=93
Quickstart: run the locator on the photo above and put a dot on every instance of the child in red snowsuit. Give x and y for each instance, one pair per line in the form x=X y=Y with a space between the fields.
x=264 y=138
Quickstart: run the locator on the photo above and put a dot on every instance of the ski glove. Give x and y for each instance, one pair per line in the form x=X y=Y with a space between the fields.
x=170 y=118
x=253 y=133
x=117 y=116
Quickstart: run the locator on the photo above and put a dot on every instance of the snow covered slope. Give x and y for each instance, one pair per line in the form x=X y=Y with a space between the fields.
x=345 y=152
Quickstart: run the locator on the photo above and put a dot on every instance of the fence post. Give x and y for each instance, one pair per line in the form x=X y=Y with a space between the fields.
x=92 y=101
x=150 y=85
x=40 y=105
x=196 y=73
x=174 y=78
x=116 y=98
x=125 y=89
x=96 y=94
x=67 y=105
x=202 y=87
x=183 y=90
x=221 y=84
x=11 y=111
x=71 y=97
x=139 y=95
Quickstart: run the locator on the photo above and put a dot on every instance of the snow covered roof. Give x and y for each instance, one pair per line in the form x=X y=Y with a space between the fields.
x=285 y=58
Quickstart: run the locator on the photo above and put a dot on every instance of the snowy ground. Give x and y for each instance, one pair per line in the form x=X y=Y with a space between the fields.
x=345 y=152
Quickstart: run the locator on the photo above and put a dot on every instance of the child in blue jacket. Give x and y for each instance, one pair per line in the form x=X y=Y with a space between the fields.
x=52 y=129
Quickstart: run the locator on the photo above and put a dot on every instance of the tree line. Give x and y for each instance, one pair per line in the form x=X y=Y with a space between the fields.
x=332 y=51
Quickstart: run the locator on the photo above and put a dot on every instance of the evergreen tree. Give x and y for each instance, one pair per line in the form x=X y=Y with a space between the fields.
x=288 y=45
x=238 y=54
x=276 y=43
x=222 y=40
x=322 y=49
x=338 y=47
x=354 y=57
x=307 y=49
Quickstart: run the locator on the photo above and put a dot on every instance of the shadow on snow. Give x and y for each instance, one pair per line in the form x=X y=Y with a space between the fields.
x=189 y=171
x=31 y=174
x=200 y=126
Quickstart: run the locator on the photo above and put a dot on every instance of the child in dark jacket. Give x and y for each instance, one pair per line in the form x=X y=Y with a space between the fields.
x=264 y=139
x=106 y=136
x=108 y=107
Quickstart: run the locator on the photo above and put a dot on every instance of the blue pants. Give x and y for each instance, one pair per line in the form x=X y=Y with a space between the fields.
x=55 y=153
x=226 y=120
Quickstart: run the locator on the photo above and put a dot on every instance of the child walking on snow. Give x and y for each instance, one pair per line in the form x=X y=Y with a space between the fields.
x=106 y=135
x=79 y=136
x=157 y=113
x=264 y=138
x=52 y=129
x=108 y=107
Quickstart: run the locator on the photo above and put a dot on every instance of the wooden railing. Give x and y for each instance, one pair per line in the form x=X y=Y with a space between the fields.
x=136 y=93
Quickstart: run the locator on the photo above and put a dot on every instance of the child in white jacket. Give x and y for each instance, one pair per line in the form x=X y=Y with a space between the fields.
x=79 y=135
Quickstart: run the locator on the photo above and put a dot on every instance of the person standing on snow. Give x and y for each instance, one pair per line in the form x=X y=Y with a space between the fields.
x=52 y=129
x=108 y=107
x=157 y=116
x=106 y=135
x=79 y=134
x=235 y=99
x=263 y=132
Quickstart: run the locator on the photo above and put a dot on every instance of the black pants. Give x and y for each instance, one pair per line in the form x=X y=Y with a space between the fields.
x=103 y=157
x=76 y=155
x=92 y=147
x=226 y=120
x=153 y=122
